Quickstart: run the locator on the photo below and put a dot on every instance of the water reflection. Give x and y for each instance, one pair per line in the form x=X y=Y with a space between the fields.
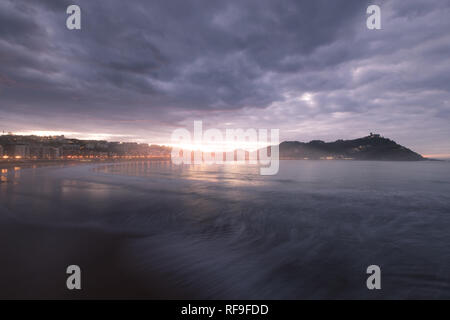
x=230 y=174
x=4 y=175
x=227 y=232
x=84 y=190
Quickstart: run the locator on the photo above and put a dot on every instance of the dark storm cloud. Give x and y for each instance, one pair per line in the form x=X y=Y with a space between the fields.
x=287 y=64
x=186 y=54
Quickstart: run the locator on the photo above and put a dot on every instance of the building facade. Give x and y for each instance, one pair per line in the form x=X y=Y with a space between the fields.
x=21 y=151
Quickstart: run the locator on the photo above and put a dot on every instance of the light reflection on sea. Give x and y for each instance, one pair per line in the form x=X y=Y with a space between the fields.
x=227 y=232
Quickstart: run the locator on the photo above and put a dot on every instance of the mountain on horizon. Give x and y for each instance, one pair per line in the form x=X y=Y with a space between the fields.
x=372 y=147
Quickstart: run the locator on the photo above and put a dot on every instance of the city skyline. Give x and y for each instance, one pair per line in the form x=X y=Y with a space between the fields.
x=371 y=147
x=311 y=69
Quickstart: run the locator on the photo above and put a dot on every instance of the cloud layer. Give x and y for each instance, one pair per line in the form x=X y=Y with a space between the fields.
x=310 y=68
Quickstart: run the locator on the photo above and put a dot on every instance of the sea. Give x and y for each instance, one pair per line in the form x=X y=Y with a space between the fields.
x=157 y=230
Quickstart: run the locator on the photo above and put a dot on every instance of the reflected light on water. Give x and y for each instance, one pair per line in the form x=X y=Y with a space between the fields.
x=230 y=174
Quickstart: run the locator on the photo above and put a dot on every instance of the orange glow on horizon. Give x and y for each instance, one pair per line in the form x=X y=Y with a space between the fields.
x=437 y=156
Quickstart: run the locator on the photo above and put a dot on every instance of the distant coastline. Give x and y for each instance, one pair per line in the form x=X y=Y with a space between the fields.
x=371 y=147
x=38 y=150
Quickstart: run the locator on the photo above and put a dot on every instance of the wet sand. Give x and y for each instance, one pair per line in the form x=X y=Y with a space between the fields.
x=30 y=252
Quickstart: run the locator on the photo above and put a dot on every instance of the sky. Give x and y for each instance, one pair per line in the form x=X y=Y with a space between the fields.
x=137 y=70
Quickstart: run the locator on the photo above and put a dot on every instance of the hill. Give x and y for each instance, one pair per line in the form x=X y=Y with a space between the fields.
x=372 y=147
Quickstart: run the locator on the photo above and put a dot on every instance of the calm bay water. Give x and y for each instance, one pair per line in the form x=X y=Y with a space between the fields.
x=157 y=230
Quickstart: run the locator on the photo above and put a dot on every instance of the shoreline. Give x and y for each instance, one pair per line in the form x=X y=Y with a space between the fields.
x=24 y=164
x=9 y=164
